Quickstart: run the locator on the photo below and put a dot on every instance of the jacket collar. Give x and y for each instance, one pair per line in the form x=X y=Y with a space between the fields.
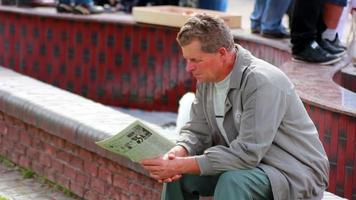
x=242 y=61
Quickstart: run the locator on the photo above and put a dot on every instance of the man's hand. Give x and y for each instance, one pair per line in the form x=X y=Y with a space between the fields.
x=171 y=166
x=163 y=169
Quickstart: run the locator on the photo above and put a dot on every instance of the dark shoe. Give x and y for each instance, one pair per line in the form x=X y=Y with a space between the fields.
x=86 y=9
x=64 y=8
x=276 y=34
x=336 y=42
x=255 y=30
x=313 y=53
x=329 y=47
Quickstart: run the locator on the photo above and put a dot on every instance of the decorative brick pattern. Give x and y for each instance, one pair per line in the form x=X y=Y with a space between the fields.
x=121 y=65
x=338 y=135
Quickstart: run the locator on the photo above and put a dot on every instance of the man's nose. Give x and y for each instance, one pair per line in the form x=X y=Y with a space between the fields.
x=189 y=67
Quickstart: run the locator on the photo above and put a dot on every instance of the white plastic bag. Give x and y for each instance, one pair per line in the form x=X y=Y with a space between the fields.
x=185 y=103
x=351 y=40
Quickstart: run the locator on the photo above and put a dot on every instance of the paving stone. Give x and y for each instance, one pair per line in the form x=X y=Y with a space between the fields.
x=14 y=187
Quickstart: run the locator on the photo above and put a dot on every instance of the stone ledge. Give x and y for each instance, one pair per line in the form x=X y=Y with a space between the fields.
x=61 y=113
x=315 y=86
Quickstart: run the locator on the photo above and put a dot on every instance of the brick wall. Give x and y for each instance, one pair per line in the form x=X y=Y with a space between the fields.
x=87 y=174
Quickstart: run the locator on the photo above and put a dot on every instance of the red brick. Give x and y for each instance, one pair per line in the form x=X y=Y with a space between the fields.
x=91 y=168
x=14 y=134
x=8 y=119
x=115 y=168
x=98 y=185
x=13 y=156
x=109 y=191
x=25 y=162
x=156 y=196
x=148 y=182
x=62 y=155
x=78 y=189
x=8 y=144
x=69 y=172
x=124 y=197
x=57 y=165
x=25 y=138
x=44 y=136
x=76 y=162
x=101 y=161
x=135 y=197
x=49 y=149
x=3 y=128
x=137 y=189
x=91 y=195
x=32 y=131
x=50 y=174
x=70 y=147
x=57 y=142
x=63 y=180
x=121 y=182
x=20 y=148
x=37 y=144
x=38 y=168
x=157 y=186
x=85 y=155
x=45 y=160
x=112 y=194
x=105 y=175
x=82 y=179
x=18 y=124
x=32 y=154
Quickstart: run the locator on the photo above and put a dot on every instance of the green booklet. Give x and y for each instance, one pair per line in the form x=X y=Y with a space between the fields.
x=137 y=141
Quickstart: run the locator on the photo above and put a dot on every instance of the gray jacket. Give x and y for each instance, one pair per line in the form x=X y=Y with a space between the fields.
x=267 y=127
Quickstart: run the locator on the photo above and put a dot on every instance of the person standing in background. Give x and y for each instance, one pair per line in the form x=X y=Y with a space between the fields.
x=266 y=18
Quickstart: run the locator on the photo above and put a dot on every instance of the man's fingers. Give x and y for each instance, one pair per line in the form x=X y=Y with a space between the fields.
x=149 y=162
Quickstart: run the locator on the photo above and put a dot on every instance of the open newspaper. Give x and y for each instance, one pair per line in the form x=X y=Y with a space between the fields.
x=137 y=142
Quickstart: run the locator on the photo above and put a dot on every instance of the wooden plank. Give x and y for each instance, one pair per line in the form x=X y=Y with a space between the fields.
x=176 y=16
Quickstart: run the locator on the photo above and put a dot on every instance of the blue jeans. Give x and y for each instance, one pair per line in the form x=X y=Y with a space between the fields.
x=219 y=5
x=267 y=15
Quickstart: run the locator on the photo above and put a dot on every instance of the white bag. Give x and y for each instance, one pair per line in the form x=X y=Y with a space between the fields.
x=351 y=40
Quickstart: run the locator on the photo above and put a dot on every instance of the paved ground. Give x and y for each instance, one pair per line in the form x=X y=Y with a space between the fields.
x=14 y=187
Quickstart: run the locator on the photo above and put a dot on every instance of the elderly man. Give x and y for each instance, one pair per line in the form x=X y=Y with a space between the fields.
x=249 y=136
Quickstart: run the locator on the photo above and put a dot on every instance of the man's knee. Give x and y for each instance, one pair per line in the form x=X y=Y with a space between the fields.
x=244 y=184
x=236 y=178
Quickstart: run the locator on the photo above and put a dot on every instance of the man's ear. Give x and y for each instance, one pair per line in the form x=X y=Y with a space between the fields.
x=222 y=51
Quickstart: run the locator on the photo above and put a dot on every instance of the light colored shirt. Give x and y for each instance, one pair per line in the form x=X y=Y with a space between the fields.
x=220 y=92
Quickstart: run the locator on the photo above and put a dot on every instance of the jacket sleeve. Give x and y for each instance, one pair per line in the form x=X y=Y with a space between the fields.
x=263 y=108
x=195 y=136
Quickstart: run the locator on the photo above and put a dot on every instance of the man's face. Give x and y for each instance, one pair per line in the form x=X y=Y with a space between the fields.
x=205 y=67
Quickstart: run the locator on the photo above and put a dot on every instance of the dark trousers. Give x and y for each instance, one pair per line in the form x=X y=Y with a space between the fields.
x=307 y=23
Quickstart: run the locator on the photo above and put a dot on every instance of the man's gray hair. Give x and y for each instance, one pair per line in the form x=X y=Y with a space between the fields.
x=212 y=32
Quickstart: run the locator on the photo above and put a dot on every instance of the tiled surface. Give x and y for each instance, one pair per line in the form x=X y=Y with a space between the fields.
x=315 y=85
